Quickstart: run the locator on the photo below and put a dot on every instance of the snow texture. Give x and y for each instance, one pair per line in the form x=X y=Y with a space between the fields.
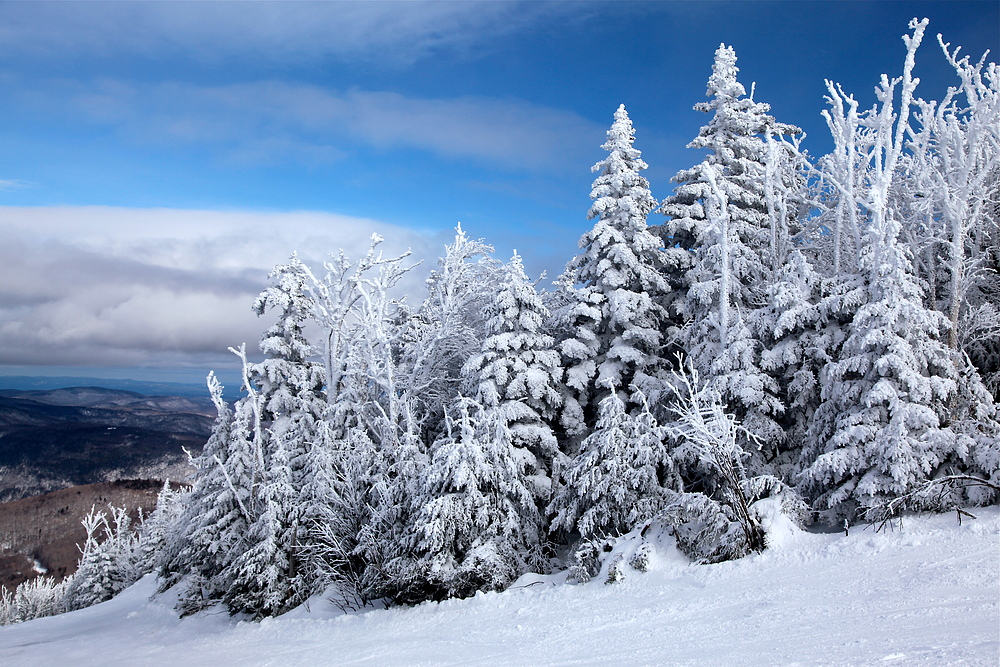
x=923 y=594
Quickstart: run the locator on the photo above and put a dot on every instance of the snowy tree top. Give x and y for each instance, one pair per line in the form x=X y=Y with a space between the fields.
x=723 y=83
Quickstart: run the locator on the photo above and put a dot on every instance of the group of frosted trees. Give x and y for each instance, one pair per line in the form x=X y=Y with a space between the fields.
x=116 y=553
x=824 y=334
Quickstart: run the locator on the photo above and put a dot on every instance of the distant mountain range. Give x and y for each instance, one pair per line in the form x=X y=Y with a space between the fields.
x=190 y=390
x=56 y=438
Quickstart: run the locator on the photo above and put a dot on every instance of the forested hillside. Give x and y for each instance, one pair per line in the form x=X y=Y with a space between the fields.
x=40 y=535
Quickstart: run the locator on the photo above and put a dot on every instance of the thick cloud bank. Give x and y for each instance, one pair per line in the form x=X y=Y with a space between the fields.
x=96 y=286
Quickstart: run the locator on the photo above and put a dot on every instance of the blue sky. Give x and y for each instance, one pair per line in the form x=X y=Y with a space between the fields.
x=157 y=158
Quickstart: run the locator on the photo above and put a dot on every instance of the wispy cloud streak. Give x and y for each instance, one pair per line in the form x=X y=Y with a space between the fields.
x=274 y=122
x=397 y=33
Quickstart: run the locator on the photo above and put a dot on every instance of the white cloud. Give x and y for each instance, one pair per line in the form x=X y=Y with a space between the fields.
x=13 y=184
x=395 y=32
x=99 y=286
x=511 y=132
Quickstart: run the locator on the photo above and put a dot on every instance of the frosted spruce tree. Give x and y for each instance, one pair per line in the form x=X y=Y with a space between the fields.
x=271 y=576
x=618 y=317
x=157 y=529
x=107 y=566
x=262 y=581
x=797 y=339
x=291 y=383
x=477 y=527
x=881 y=430
x=520 y=367
x=621 y=476
x=735 y=212
x=221 y=506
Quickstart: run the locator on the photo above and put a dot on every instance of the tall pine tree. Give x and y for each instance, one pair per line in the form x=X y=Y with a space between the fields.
x=520 y=367
x=727 y=211
x=619 y=315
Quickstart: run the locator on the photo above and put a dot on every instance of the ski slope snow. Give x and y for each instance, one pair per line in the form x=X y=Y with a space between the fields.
x=926 y=593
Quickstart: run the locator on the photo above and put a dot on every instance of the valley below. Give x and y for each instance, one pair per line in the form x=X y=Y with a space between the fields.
x=65 y=451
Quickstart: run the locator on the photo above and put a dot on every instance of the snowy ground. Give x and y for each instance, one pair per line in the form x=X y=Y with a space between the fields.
x=925 y=595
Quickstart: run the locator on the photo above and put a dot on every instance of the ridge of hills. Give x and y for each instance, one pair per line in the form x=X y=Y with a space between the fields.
x=194 y=390
x=106 y=398
x=54 y=439
x=66 y=450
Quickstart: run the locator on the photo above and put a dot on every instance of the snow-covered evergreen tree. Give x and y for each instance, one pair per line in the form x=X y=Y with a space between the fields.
x=619 y=316
x=262 y=580
x=218 y=512
x=520 y=367
x=797 y=339
x=293 y=403
x=107 y=566
x=621 y=476
x=478 y=527
x=386 y=544
x=881 y=429
x=733 y=211
x=158 y=529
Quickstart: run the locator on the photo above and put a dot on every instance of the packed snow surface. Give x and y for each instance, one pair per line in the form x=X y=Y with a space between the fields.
x=926 y=593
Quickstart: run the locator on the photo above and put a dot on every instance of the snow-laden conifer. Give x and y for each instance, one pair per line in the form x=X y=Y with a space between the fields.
x=881 y=429
x=262 y=579
x=619 y=315
x=107 y=559
x=621 y=475
x=733 y=211
x=797 y=339
x=293 y=404
x=158 y=529
x=385 y=562
x=217 y=512
x=478 y=528
x=519 y=366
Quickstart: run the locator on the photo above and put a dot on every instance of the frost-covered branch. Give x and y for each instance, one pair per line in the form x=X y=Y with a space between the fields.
x=336 y=297
x=922 y=497
x=711 y=435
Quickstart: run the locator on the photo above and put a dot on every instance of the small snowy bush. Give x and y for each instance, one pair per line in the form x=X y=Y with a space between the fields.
x=34 y=598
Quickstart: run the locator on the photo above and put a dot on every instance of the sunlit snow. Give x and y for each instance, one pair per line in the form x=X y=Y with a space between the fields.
x=924 y=594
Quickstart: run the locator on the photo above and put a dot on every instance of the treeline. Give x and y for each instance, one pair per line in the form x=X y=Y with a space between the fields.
x=821 y=336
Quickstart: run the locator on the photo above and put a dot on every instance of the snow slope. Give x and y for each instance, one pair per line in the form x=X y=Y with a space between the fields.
x=926 y=594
